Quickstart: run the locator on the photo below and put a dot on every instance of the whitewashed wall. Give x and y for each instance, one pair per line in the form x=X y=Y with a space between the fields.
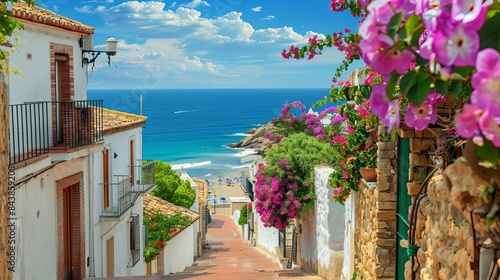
x=176 y=257
x=267 y=237
x=242 y=229
x=323 y=233
x=195 y=208
x=116 y=143
x=36 y=209
x=35 y=84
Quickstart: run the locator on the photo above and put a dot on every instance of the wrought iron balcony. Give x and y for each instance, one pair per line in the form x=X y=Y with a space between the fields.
x=117 y=198
x=36 y=128
x=146 y=181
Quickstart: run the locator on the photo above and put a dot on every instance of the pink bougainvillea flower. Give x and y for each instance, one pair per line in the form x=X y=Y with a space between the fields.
x=467 y=121
x=380 y=53
x=490 y=128
x=486 y=81
x=392 y=117
x=419 y=117
x=379 y=102
x=425 y=43
x=455 y=45
x=472 y=13
x=435 y=97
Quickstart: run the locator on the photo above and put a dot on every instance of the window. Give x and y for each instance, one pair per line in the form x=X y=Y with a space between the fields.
x=135 y=240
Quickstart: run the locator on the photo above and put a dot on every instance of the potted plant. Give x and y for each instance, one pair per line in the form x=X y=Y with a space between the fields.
x=356 y=148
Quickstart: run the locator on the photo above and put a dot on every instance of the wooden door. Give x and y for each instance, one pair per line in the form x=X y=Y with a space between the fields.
x=105 y=178
x=403 y=203
x=110 y=257
x=68 y=234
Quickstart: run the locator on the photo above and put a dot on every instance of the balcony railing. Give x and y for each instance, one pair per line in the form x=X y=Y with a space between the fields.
x=38 y=127
x=119 y=198
x=29 y=131
x=146 y=181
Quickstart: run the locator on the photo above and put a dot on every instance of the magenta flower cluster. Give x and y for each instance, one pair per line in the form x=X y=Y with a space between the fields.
x=480 y=120
x=277 y=200
x=309 y=123
x=449 y=43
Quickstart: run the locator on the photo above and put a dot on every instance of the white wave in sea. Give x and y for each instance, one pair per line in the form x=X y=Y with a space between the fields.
x=190 y=165
x=238 y=134
x=207 y=175
x=184 y=111
x=245 y=153
x=256 y=124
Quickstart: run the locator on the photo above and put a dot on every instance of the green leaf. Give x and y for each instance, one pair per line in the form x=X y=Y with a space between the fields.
x=394 y=23
x=391 y=85
x=456 y=88
x=489 y=34
x=419 y=92
x=488 y=152
x=416 y=35
x=411 y=24
x=441 y=87
x=407 y=82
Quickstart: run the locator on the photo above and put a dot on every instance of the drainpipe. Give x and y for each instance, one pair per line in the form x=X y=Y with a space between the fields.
x=486 y=258
x=91 y=216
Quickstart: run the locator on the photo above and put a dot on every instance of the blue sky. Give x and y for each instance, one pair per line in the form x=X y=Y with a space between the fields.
x=207 y=43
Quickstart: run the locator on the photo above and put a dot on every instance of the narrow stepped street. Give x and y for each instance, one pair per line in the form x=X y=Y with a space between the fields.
x=228 y=257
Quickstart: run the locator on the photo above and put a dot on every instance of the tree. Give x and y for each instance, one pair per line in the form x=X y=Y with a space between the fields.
x=243 y=220
x=7 y=26
x=170 y=186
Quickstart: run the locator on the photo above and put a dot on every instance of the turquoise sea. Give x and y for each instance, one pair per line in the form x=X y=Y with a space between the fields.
x=191 y=127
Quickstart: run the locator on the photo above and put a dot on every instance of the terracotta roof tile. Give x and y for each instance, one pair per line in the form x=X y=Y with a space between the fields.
x=202 y=191
x=153 y=204
x=114 y=121
x=22 y=11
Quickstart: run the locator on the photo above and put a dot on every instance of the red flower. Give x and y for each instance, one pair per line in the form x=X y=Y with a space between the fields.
x=173 y=230
x=160 y=244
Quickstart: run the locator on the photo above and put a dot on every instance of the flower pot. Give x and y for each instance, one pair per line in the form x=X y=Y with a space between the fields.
x=368 y=173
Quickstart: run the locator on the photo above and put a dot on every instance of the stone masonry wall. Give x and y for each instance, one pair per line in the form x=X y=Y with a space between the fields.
x=5 y=274
x=443 y=235
x=442 y=232
x=376 y=223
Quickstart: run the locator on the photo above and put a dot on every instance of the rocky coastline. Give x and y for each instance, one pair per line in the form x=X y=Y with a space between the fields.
x=256 y=140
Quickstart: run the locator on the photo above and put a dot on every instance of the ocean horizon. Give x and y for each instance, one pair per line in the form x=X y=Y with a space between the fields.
x=190 y=128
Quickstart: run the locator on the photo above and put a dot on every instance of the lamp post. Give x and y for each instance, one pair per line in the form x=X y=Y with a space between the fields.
x=215 y=201
x=111 y=47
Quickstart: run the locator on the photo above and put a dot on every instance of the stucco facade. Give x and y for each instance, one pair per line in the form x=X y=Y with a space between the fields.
x=57 y=140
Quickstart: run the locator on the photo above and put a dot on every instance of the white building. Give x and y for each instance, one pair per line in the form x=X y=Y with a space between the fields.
x=64 y=214
x=176 y=255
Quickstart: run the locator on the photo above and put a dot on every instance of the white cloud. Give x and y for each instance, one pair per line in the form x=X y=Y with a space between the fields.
x=85 y=9
x=184 y=46
x=100 y=9
x=273 y=35
x=195 y=4
x=257 y=9
x=173 y=4
x=270 y=17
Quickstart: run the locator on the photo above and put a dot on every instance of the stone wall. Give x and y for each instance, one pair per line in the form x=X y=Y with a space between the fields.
x=375 y=243
x=442 y=232
x=443 y=235
x=4 y=164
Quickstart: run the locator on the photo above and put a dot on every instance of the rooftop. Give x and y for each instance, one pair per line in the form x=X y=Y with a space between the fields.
x=202 y=191
x=23 y=11
x=153 y=204
x=115 y=121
